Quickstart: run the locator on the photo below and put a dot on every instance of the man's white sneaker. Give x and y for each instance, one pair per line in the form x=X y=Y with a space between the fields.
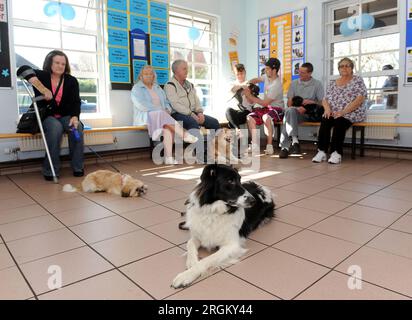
x=269 y=149
x=189 y=138
x=335 y=158
x=170 y=160
x=320 y=156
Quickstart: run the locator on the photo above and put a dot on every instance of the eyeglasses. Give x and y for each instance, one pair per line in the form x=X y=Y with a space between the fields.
x=344 y=66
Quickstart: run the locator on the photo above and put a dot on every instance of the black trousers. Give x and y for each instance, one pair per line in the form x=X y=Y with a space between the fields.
x=236 y=117
x=339 y=125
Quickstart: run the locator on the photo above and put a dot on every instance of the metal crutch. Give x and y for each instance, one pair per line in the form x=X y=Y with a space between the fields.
x=36 y=110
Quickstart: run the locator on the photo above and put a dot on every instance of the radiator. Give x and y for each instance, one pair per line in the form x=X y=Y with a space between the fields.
x=90 y=139
x=379 y=132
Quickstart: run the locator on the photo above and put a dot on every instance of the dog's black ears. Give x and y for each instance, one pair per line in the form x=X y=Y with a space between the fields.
x=209 y=172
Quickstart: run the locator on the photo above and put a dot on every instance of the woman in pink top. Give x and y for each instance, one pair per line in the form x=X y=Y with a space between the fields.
x=64 y=111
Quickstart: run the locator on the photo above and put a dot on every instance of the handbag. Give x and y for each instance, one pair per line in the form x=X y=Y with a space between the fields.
x=28 y=121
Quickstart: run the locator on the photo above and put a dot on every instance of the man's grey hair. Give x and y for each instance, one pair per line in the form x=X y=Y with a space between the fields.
x=176 y=64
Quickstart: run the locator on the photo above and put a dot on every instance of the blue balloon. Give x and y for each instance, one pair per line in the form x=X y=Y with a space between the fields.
x=345 y=30
x=367 y=21
x=51 y=8
x=66 y=10
x=194 y=33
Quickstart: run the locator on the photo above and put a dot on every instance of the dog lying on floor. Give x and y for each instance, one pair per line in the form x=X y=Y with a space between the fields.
x=223 y=146
x=221 y=213
x=110 y=182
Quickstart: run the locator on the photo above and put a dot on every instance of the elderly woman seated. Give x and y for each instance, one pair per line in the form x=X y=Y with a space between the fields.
x=151 y=108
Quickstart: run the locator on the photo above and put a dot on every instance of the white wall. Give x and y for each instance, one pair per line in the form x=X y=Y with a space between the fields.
x=231 y=15
x=315 y=50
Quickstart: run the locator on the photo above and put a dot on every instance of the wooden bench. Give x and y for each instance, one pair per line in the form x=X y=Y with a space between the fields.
x=356 y=127
x=94 y=130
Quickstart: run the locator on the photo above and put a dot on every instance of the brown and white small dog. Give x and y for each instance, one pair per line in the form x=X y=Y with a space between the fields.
x=110 y=182
x=223 y=146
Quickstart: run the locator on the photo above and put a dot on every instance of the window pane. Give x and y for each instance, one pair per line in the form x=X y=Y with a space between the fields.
x=33 y=10
x=85 y=19
x=33 y=57
x=344 y=13
x=379 y=5
x=77 y=41
x=345 y=48
x=381 y=43
x=201 y=25
x=205 y=40
x=87 y=85
x=203 y=57
x=375 y=62
x=181 y=21
x=382 y=92
x=36 y=37
x=82 y=62
x=179 y=53
x=179 y=35
x=83 y=3
x=203 y=92
x=203 y=72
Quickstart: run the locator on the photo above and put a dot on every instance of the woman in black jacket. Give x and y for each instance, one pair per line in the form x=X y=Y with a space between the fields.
x=61 y=90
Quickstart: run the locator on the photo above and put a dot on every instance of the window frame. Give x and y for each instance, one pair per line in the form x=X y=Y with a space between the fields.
x=214 y=65
x=100 y=75
x=330 y=39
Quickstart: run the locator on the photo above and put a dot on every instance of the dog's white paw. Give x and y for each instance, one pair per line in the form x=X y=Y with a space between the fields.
x=185 y=278
x=191 y=262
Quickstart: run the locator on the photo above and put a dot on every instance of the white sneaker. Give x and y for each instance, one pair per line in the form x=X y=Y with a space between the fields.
x=254 y=148
x=189 y=138
x=335 y=158
x=320 y=156
x=170 y=160
x=269 y=149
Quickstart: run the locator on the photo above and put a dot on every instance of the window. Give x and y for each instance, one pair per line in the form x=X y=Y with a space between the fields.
x=193 y=37
x=374 y=48
x=73 y=26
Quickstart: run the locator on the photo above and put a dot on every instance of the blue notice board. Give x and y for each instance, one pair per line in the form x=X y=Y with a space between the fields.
x=162 y=76
x=117 y=19
x=117 y=4
x=160 y=60
x=139 y=7
x=159 y=44
x=158 y=10
x=118 y=38
x=119 y=74
x=119 y=55
x=158 y=27
x=141 y=23
x=137 y=66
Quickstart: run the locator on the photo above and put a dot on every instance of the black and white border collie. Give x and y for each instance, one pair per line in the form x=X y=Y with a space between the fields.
x=220 y=213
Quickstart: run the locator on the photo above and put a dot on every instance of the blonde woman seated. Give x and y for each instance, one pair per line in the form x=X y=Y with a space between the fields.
x=151 y=108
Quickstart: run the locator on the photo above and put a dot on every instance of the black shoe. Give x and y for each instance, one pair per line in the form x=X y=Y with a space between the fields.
x=78 y=173
x=49 y=178
x=283 y=154
x=295 y=149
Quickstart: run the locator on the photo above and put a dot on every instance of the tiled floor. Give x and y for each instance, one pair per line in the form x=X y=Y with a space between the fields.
x=341 y=232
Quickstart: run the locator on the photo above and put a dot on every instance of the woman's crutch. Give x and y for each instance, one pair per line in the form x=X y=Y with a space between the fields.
x=36 y=110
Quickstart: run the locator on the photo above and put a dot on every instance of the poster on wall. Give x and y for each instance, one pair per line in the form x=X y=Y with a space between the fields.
x=137 y=35
x=5 y=78
x=408 y=55
x=283 y=37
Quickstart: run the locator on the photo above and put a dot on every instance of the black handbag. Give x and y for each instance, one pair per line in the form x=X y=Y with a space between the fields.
x=28 y=122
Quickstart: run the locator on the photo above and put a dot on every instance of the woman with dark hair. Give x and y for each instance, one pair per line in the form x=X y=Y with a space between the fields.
x=343 y=104
x=61 y=92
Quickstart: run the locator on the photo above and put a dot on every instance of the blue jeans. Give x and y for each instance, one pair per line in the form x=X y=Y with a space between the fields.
x=53 y=131
x=190 y=123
